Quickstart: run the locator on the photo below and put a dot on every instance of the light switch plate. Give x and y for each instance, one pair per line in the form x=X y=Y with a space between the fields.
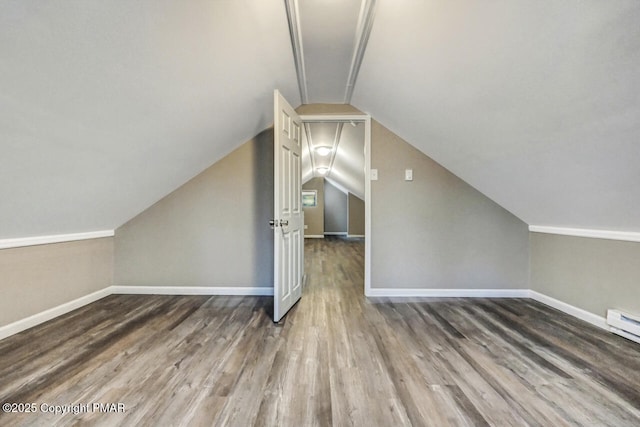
x=374 y=174
x=408 y=174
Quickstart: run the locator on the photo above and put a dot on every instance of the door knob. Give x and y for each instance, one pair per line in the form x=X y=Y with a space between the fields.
x=284 y=222
x=272 y=223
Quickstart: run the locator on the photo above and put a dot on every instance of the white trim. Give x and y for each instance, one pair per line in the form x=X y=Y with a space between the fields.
x=335 y=233
x=332 y=117
x=367 y=205
x=192 y=290
x=58 y=238
x=448 y=293
x=295 y=32
x=569 y=309
x=367 y=179
x=334 y=151
x=355 y=235
x=365 y=23
x=38 y=318
x=628 y=236
x=313 y=236
x=581 y=314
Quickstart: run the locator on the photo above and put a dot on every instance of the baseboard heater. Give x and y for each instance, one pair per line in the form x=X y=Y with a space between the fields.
x=624 y=324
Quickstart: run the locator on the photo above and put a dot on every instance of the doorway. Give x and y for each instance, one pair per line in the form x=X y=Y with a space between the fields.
x=334 y=160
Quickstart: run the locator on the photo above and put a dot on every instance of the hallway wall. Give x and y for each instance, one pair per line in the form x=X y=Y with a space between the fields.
x=314 y=216
x=335 y=209
x=356 y=216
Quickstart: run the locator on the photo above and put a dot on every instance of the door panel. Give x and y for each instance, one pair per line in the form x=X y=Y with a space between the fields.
x=288 y=239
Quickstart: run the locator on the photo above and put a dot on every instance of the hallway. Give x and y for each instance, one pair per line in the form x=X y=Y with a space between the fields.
x=338 y=358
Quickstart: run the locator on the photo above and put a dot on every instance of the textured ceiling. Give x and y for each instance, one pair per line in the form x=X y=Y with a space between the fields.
x=105 y=107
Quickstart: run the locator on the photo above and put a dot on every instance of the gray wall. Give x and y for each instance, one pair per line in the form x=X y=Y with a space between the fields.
x=335 y=209
x=356 y=216
x=592 y=274
x=314 y=216
x=36 y=278
x=433 y=232
x=212 y=231
x=437 y=231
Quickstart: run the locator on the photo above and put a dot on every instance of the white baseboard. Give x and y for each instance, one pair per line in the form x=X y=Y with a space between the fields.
x=581 y=314
x=448 y=293
x=192 y=290
x=355 y=235
x=36 y=319
x=313 y=236
x=335 y=233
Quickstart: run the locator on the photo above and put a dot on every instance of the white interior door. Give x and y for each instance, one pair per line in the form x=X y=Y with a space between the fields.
x=288 y=239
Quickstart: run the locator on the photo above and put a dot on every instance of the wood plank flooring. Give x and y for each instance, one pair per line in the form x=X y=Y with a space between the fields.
x=338 y=358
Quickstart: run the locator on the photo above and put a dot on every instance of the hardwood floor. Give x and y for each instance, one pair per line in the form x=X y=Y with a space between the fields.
x=338 y=358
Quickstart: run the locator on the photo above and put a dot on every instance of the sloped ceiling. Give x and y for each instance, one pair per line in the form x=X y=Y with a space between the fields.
x=348 y=163
x=107 y=106
x=328 y=35
x=346 y=159
x=329 y=39
x=534 y=103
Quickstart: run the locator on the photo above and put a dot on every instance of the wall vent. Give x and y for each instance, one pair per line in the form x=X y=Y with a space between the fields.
x=624 y=324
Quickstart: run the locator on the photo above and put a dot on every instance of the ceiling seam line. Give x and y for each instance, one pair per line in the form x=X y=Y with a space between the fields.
x=295 y=33
x=336 y=142
x=307 y=131
x=365 y=24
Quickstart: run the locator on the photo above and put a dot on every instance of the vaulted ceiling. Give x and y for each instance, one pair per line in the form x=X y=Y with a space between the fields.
x=534 y=103
x=343 y=162
x=107 y=106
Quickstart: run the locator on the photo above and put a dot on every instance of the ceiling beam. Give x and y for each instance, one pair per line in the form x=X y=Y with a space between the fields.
x=336 y=142
x=293 y=18
x=363 y=30
x=311 y=145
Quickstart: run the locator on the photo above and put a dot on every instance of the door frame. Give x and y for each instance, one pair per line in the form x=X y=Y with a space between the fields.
x=366 y=119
